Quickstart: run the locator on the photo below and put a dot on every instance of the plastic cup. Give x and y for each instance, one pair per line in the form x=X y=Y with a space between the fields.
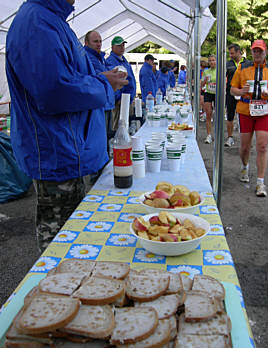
x=137 y=155
x=263 y=84
x=138 y=169
x=174 y=154
x=154 y=156
x=137 y=143
x=251 y=86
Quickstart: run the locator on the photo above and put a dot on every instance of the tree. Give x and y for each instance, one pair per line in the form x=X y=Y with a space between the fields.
x=247 y=20
x=150 y=47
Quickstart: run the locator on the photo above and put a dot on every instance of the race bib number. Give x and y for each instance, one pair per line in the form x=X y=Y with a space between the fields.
x=212 y=87
x=258 y=107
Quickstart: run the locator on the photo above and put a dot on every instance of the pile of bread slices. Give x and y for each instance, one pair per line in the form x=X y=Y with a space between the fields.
x=88 y=304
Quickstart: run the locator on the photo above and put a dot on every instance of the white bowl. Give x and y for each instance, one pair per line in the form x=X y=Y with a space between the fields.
x=187 y=210
x=174 y=248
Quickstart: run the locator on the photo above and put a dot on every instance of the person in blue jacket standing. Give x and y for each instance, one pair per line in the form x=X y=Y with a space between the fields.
x=182 y=75
x=163 y=80
x=57 y=109
x=116 y=58
x=93 y=44
x=147 y=78
x=171 y=76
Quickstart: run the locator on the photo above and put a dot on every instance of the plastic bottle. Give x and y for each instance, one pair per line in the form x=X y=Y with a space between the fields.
x=159 y=97
x=150 y=102
x=122 y=157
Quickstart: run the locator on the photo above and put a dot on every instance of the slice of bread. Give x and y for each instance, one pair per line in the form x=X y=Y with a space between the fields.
x=13 y=333
x=199 y=341
x=209 y=284
x=199 y=306
x=61 y=283
x=116 y=270
x=23 y=344
x=187 y=282
x=219 y=325
x=133 y=324
x=158 y=338
x=92 y=321
x=91 y=344
x=76 y=266
x=173 y=327
x=175 y=283
x=143 y=288
x=100 y=291
x=165 y=306
x=47 y=312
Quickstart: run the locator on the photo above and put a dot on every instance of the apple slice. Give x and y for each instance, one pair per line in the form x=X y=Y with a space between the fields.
x=163 y=217
x=140 y=225
x=154 y=220
x=176 y=229
x=159 y=194
x=171 y=219
x=169 y=237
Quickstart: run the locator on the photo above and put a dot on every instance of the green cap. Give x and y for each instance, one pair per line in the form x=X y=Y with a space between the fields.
x=118 y=40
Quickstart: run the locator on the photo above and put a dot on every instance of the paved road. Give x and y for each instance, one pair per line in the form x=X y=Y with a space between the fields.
x=244 y=217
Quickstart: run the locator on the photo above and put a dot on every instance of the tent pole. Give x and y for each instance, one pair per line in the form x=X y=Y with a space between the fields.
x=220 y=99
x=196 y=66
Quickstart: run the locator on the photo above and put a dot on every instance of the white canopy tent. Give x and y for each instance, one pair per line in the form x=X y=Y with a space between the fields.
x=168 y=23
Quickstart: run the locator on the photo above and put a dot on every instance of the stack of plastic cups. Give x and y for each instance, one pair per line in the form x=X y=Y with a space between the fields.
x=149 y=118
x=174 y=157
x=154 y=156
x=156 y=119
x=138 y=158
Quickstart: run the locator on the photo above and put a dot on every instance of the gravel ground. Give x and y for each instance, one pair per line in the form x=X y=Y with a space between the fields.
x=244 y=217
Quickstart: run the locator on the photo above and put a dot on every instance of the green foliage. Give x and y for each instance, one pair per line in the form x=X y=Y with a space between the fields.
x=150 y=47
x=247 y=20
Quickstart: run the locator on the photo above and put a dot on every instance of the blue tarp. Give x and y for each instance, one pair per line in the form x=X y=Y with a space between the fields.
x=13 y=182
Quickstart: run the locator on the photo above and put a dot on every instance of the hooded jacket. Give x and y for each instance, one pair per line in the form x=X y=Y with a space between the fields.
x=162 y=82
x=112 y=61
x=100 y=65
x=57 y=115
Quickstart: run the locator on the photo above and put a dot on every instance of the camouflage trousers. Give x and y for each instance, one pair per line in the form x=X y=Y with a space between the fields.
x=56 y=201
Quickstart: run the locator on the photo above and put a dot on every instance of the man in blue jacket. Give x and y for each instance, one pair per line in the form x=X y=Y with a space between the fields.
x=93 y=44
x=147 y=78
x=162 y=80
x=182 y=75
x=116 y=58
x=57 y=109
x=171 y=76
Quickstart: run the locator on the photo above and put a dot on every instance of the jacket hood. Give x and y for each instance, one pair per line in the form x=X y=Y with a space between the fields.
x=60 y=7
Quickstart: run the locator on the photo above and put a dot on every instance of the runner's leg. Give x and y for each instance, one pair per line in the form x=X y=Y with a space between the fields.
x=261 y=148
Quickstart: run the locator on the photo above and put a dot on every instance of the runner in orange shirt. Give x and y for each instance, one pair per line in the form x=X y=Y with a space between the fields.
x=250 y=83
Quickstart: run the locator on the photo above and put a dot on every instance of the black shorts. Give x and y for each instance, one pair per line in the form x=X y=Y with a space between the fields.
x=209 y=97
x=230 y=106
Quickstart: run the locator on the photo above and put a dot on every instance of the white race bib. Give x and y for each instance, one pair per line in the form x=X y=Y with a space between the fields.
x=212 y=87
x=258 y=107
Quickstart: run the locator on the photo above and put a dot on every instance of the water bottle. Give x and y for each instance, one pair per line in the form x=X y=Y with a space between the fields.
x=159 y=97
x=122 y=157
x=150 y=102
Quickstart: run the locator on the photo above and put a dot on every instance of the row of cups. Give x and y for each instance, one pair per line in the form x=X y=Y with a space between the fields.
x=155 y=151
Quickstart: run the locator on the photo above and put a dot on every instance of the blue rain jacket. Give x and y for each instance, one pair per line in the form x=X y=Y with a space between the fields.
x=112 y=61
x=171 y=78
x=182 y=77
x=147 y=81
x=57 y=100
x=162 y=82
x=99 y=63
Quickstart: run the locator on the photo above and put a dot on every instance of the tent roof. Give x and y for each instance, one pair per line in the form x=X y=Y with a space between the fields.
x=166 y=22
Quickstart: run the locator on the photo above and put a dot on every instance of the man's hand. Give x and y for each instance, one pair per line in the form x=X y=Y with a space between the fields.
x=116 y=78
x=239 y=92
x=245 y=89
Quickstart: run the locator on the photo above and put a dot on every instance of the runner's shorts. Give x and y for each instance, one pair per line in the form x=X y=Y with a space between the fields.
x=230 y=106
x=209 y=97
x=249 y=124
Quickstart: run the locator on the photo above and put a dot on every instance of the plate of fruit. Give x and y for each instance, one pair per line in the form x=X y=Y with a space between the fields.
x=170 y=234
x=170 y=197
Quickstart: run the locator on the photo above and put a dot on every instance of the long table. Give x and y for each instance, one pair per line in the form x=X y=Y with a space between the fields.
x=99 y=230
